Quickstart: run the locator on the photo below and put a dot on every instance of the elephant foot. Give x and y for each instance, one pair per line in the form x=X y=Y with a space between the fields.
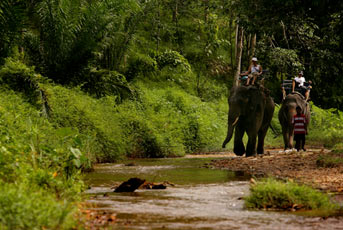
x=239 y=154
x=251 y=155
x=239 y=149
x=260 y=151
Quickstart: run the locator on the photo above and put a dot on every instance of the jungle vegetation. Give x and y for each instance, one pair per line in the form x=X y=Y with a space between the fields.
x=86 y=81
x=272 y=194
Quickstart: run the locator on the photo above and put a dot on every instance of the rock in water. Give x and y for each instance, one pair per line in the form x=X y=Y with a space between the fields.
x=149 y=185
x=130 y=186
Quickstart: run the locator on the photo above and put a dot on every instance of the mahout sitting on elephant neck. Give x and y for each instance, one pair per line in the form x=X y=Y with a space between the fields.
x=298 y=93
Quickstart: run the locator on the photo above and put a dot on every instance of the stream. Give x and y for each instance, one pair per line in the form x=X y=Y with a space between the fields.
x=201 y=198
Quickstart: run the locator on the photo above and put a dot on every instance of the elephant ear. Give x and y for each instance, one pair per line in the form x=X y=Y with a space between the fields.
x=265 y=91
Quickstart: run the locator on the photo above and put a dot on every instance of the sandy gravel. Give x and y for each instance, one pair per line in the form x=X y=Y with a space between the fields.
x=299 y=166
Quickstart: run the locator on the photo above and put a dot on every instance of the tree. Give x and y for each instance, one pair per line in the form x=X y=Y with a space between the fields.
x=12 y=17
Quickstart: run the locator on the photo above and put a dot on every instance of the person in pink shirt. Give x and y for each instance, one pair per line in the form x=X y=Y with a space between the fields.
x=300 y=129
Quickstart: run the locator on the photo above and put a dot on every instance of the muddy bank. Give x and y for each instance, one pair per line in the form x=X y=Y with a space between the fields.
x=300 y=167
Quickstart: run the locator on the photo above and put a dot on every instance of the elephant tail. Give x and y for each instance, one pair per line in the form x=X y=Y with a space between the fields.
x=276 y=133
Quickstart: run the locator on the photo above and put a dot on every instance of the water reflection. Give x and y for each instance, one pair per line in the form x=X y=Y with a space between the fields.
x=202 y=199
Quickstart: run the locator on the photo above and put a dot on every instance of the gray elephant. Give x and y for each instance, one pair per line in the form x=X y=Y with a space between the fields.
x=251 y=110
x=286 y=113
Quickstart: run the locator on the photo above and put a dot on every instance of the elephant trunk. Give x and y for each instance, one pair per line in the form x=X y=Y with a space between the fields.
x=230 y=129
x=289 y=113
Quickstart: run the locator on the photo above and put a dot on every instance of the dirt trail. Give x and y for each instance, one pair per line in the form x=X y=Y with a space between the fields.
x=299 y=166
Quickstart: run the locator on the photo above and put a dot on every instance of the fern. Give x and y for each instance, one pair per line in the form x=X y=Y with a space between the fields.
x=21 y=78
x=12 y=15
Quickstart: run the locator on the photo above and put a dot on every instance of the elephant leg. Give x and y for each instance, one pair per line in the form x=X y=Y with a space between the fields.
x=239 y=148
x=290 y=137
x=251 y=146
x=261 y=135
x=285 y=137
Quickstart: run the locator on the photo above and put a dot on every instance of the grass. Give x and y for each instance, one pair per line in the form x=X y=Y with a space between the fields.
x=39 y=173
x=332 y=159
x=329 y=161
x=272 y=194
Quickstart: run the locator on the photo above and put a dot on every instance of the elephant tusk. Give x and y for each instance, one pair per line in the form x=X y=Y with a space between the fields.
x=235 y=122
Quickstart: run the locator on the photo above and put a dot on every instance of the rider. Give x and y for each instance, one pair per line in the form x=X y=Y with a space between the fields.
x=254 y=71
x=299 y=82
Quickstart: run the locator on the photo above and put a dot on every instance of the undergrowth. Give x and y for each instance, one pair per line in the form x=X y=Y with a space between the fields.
x=274 y=194
x=332 y=159
x=39 y=168
x=326 y=126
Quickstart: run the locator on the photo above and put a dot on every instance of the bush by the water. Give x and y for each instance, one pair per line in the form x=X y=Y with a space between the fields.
x=39 y=168
x=278 y=195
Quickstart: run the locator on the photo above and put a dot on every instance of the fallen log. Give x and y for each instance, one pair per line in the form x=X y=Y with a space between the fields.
x=149 y=185
x=130 y=186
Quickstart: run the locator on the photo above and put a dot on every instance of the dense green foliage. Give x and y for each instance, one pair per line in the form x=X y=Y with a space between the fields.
x=274 y=194
x=39 y=179
x=94 y=81
x=68 y=40
x=326 y=126
x=308 y=33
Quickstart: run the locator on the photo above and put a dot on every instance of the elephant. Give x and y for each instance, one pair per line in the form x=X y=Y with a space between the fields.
x=251 y=110
x=286 y=113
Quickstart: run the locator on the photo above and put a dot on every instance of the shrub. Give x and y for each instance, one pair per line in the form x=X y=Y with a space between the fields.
x=326 y=126
x=140 y=64
x=21 y=78
x=103 y=83
x=172 y=59
x=329 y=161
x=39 y=168
x=26 y=207
x=338 y=148
x=332 y=159
x=181 y=120
x=275 y=194
x=91 y=118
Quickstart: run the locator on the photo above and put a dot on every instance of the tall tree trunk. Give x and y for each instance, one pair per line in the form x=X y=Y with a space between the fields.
x=236 y=39
x=231 y=47
x=158 y=26
x=252 y=47
x=248 y=51
x=239 y=48
x=176 y=21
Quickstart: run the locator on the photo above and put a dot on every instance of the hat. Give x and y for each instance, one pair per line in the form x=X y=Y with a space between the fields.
x=254 y=59
x=301 y=72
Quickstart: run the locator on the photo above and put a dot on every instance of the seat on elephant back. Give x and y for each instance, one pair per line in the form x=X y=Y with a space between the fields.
x=287 y=88
x=259 y=80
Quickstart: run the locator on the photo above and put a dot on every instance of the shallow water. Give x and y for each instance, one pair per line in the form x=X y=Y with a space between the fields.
x=202 y=198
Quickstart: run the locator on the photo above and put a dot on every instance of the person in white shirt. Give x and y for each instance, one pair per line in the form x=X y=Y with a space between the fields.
x=254 y=71
x=299 y=83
